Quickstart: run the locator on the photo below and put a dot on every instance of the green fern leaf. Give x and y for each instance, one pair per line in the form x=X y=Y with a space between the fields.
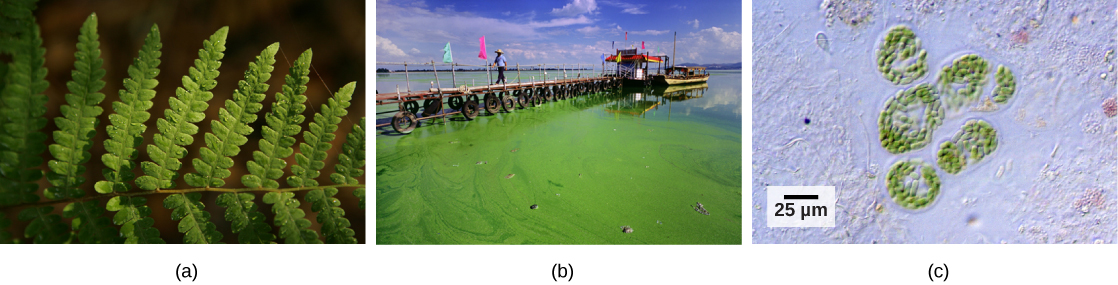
x=193 y=221
x=177 y=128
x=127 y=123
x=316 y=140
x=352 y=160
x=360 y=194
x=246 y=219
x=22 y=105
x=78 y=123
x=91 y=226
x=334 y=225
x=44 y=227
x=5 y=236
x=283 y=124
x=290 y=219
x=228 y=133
x=132 y=215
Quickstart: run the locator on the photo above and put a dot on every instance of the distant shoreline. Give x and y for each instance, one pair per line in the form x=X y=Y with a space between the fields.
x=513 y=70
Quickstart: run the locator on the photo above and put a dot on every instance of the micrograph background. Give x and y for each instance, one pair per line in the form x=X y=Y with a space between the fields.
x=1051 y=178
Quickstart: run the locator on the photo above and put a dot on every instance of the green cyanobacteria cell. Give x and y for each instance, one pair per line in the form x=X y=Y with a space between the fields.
x=969 y=70
x=1006 y=85
x=901 y=45
x=970 y=145
x=904 y=179
x=899 y=132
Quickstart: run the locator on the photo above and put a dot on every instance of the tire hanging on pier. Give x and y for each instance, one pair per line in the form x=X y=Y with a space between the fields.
x=469 y=110
x=508 y=103
x=432 y=106
x=404 y=122
x=492 y=103
x=411 y=107
x=549 y=94
x=522 y=98
x=455 y=103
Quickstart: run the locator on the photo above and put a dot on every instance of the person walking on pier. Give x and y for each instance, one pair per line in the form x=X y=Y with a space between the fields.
x=500 y=63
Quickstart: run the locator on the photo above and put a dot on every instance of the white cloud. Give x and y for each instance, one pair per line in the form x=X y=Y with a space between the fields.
x=559 y=22
x=711 y=45
x=589 y=30
x=677 y=7
x=415 y=50
x=649 y=32
x=626 y=7
x=694 y=23
x=390 y=49
x=576 y=7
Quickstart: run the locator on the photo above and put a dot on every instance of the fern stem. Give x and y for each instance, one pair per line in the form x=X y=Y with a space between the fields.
x=179 y=191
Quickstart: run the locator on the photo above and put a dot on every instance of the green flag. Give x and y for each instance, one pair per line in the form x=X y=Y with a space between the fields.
x=446 y=54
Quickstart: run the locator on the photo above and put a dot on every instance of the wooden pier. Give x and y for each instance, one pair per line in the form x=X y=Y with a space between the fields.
x=471 y=100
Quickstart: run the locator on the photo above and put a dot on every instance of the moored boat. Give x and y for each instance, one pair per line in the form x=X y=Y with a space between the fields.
x=681 y=75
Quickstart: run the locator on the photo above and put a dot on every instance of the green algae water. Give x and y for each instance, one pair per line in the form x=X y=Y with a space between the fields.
x=636 y=157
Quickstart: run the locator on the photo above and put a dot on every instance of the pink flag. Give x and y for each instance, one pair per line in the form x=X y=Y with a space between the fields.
x=642 y=44
x=626 y=36
x=481 y=54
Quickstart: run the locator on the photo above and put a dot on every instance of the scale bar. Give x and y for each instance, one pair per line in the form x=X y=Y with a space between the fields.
x=801 y=197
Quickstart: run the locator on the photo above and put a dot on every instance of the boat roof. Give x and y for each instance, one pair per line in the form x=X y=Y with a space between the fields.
x=635 y=58
x=688 y=67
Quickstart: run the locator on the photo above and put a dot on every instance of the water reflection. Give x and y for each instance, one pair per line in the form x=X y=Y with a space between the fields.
x=638 y=101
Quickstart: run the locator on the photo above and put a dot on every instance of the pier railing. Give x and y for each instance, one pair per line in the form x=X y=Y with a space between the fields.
x=535 y=72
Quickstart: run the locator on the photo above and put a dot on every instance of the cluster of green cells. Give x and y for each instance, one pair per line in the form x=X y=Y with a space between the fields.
x=974 y=142
x=904 y=182
x=910 y=117
x=901 y=132
x=902 y=45
x=1006 y=85
x=970 y=71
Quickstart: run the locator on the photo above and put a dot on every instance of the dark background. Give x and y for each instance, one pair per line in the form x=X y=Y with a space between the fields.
x=335 y=30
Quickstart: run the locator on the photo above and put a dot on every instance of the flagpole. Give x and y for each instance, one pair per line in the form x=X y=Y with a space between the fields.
x=673 y=48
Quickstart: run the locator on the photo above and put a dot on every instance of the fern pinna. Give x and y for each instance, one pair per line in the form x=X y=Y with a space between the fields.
x=85 y=216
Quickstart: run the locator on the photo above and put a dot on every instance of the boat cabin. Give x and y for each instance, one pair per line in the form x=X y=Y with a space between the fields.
x=685 y=71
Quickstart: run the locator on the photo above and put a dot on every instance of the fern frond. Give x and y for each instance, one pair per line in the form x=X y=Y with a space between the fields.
x=334 y=224
x=13 y=16
x=290 y=219
x=283 y=124
x=228 y=133
x=132 y=215
x=193 y=221
x=22 y=104
x=360 y=194
x=246 y=219
x=177 y=128
x=91 y=226
x=76 y=128
x=127 y=123
x=317 y=138
x=78 y=123
x=351 y=162
x=5 y=236
x=44 y=227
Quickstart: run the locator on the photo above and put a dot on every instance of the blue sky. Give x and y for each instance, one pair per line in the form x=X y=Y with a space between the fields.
x=570 y=31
